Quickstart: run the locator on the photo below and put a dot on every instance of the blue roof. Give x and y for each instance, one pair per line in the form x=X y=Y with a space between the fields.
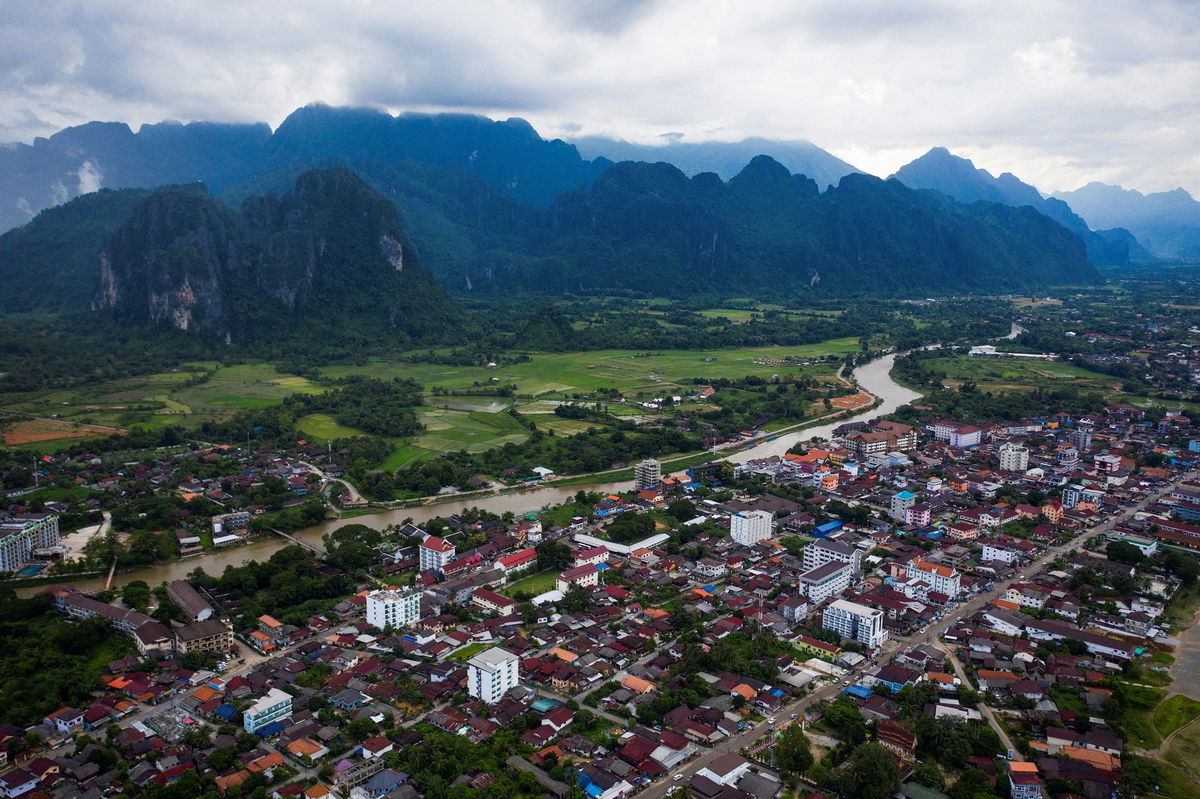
x=906 y=495
x=273 y=728
x=858 y=690
x=226 y=711
x=836 y=524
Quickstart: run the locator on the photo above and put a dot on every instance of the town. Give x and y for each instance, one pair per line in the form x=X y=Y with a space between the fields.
x=932 y=609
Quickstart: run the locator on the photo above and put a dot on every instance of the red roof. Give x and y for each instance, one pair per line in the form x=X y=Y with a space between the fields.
x=437 y=544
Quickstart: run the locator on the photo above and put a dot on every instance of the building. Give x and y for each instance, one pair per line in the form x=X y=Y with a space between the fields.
x=647 y=474
x=491 y=674
x=149 y=636
x=204 y=636
x=238 y=520
x=726 y=770
x=901 y=502
x=856 y=622
x=1081 y=438
x=748 y=527
x=943 y=579
x=585 y=576
x=1023 y=780
x=822 y=551
x=194 y=606
x=275 y=705
x=1014 y=458
x=825 y=581
x=880 y=438
x=491 y=602
x=435 y=553
x=392 y=608
x=22 y=535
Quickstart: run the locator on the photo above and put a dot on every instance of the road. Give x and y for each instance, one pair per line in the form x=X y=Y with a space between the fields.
x=928 y=635
x=987 y=711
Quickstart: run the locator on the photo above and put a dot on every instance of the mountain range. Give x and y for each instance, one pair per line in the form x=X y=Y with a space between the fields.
x=1166 y=223
x=726 y=159
x=959 y=178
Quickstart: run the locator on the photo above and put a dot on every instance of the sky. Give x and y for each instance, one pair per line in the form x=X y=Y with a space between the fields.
x=1059 y=93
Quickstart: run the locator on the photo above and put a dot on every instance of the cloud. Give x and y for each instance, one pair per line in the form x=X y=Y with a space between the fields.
x=1060 y=93
x=90 y=178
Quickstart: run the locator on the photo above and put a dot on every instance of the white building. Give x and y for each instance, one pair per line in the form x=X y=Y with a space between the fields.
x=22 y=535
x=748 y=527
x=1014 y=458
x=491 y=674
x=275 y=705
x=943 y=579
x=825 y=581
x=647 y=474
x=820 y=552
x=392 y=608
x=435 y=553
x=999 y=552
x=856 y=622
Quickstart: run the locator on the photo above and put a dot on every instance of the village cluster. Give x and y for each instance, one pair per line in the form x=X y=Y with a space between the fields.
x=959 y=560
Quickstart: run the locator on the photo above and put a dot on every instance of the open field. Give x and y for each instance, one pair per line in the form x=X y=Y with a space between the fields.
x=473 y=431
x=561 y=374
x=1175 y=712
x=323 y=427
x=39 y=431
x=534 y=584
x=1009 y=374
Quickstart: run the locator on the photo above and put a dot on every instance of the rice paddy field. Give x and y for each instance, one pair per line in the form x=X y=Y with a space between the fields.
x=452 y=421
x=1008 y=374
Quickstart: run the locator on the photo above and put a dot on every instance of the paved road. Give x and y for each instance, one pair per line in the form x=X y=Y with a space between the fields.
x=928 y=635
x=987 y=711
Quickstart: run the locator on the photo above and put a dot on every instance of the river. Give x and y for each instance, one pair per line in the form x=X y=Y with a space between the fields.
x=875 y=377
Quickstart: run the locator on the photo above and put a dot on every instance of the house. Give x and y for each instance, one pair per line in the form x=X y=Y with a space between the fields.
x=584 y=576
x=726 y=769
x=64 y=719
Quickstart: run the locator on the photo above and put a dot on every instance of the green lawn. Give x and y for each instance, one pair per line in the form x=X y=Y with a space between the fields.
x=534 y=584
x=323 y=427
x=403 y=455
x=474 y=431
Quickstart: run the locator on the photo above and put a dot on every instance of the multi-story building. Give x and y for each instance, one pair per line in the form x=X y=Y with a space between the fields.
x=435 y=553
x=901 y=502
x=826 y=581
x=1023 y=780
x=881 y=437
x=856 y=622
x=275 y=705
x=647 y=474
x=392 y=608
x=748 y=527
x=1014 y=458
x=204 y=636
x=942 y=579
x=22 y=535
x=585 y=576
x=1081 y=438
x=491 y=674
x=821 y=551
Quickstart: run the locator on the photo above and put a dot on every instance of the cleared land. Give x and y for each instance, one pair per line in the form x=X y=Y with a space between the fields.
x=41 y=431
x=534 y=584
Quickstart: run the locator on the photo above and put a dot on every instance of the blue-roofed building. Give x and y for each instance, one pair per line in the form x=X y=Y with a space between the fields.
x=828 y=528
x=226 y=711
x=861 y=691
x=901 y=502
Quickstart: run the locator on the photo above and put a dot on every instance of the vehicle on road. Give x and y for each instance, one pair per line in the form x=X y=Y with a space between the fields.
x=771 y=721
x=677 y=778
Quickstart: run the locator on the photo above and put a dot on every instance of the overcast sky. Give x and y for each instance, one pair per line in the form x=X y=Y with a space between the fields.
x=1060 y=93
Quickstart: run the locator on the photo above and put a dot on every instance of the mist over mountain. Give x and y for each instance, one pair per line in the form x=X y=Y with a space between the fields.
x=1167 y=223
x=510 y=154
x=958 y=177
x=726 y=159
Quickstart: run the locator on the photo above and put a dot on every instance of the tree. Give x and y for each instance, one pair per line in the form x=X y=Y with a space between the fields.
x=682 y=510
x=1122 y=552
x=136 y=594
x=553 y=556
x=928 y=774
x=874 y=772
x=792 y=751
x=973 y=784
x=577 y=600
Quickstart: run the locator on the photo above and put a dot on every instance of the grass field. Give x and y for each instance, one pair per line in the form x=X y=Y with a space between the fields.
x=1175 y=712
x=323 y=427
x=534 y=584
x=474 y=431
x=566 y=373
x=1184 y=753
